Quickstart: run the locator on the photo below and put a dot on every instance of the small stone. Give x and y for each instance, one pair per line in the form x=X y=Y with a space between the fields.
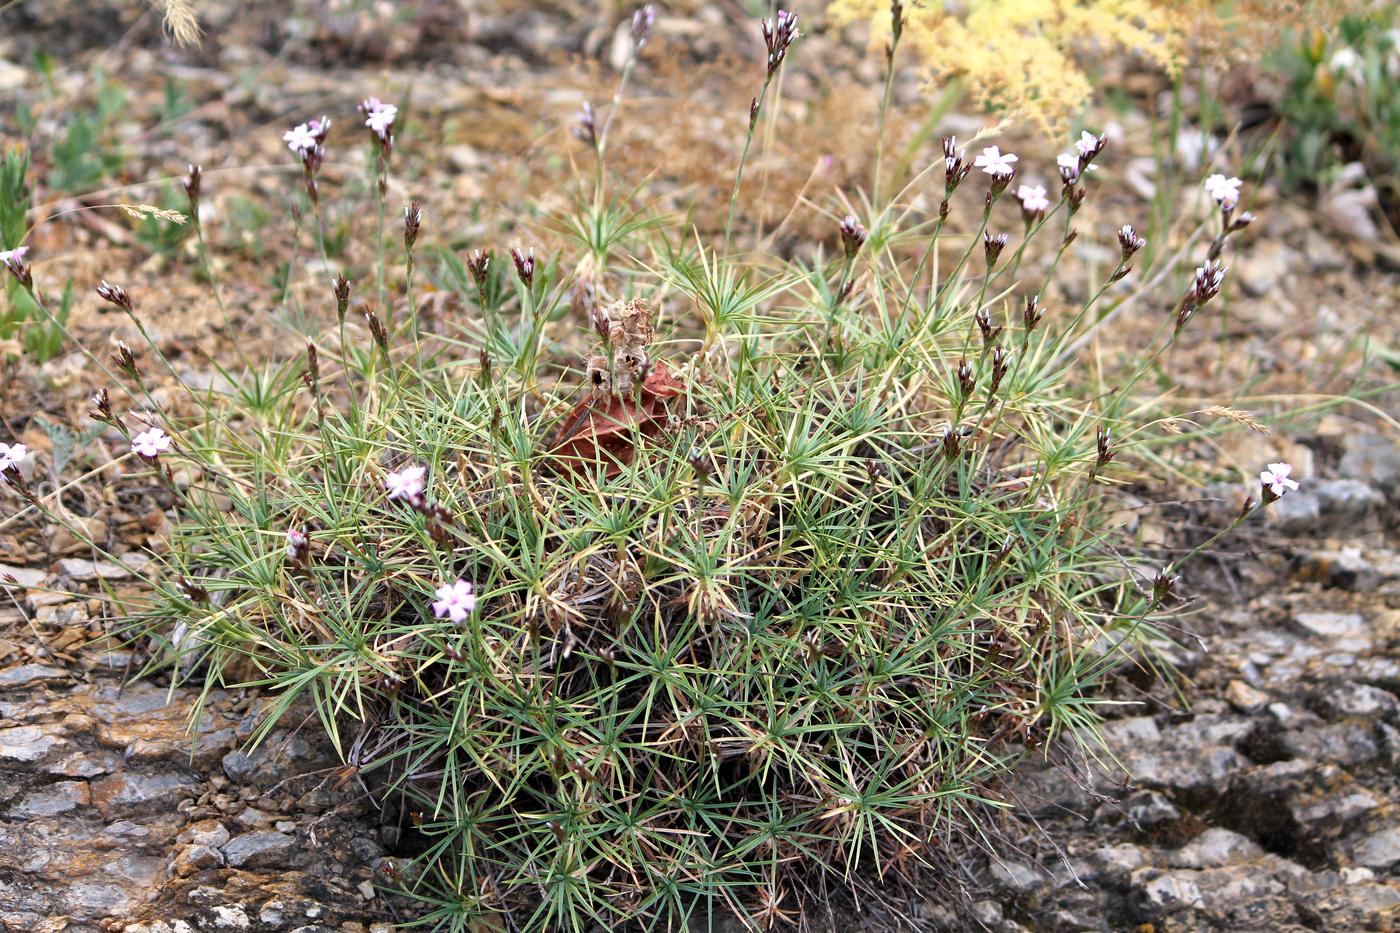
x=27 y=675
x=253 y=818
x=25 y=577
x=1297 y=513
x=1337 y=809
x=130 y=793
x=1364 y=700
x=1323 y=254
x=192 y=858
x=1346 y=499
x=1344 y=569
x=1166 y=892
x=1372 y=458
x=366 y=890
x=1357 y=875
x=988 y=913
x=1245 y=698
x=26 y=744
x=83 y=570
x=1016 y=877
x=1214 y=848
x=1330 y=624
x=230 y=917
x=1118 y=862
x=1378 y=850
x=205 y=833
x=56 y=798
x=1264 y=267
x=1148 y=808
x=84 y=765
x=258 y=849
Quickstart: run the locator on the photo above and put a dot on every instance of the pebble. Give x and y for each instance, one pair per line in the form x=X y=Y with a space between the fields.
x=252 y=850
x=1379 y=850
x=1330 y=624
x=25 y=577
x=83 y=570
x=1216 y=847
x=1373 y=459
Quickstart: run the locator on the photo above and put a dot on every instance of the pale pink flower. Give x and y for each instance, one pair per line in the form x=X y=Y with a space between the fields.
x=1276 y=478
x=1032 y=198
x=11 y=455
x=1069 y=166
x=297 y=542
x=995 y=162
x=379 y=117
x=1088 y=145
x=455 y=601
x=13 y=256
x=301 y=138
x=1224 y=190
x=150 y=443
x=406 y=483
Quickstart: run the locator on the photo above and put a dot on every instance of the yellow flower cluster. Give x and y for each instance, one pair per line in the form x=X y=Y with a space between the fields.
x=1023 y=57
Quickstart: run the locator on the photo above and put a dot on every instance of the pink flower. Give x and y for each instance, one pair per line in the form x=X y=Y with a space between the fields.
x=11 y=455
x=996 y=163
x=1226 y=191
x=150 y=443
x=1088 y=145
x=10 y=256
x=297 y=543
x=1033 y=199
x=1275 y=479
x=301 y=138
x=455 y=601
x=406 y=483
x=379 y=117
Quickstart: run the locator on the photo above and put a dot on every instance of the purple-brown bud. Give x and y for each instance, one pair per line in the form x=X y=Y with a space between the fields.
x=524 y=265
x=967 y=379
x=585 y=127
x=990 y=331
x=1000 y=364
x=114 y=294
x=853 y=235
x=779 y=33
x=412 y=221
x=125 y=361
x=192 y=184
x=340 y=287
x=1033 y=313
x=992 y=245
x=1163 y=586
x=377 y=331
x=642 y=21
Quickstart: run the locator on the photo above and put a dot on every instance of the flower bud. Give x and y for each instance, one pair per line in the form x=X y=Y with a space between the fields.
x=412 y=220
x=853 y=235
x=992 y=245
x=114 y=294
x=524 y=265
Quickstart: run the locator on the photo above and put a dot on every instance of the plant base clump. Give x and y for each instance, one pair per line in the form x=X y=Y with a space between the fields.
x=704 y=586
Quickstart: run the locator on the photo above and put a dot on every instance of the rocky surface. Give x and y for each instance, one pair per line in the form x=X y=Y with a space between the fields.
x=114 y=816
x=1270 y=799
